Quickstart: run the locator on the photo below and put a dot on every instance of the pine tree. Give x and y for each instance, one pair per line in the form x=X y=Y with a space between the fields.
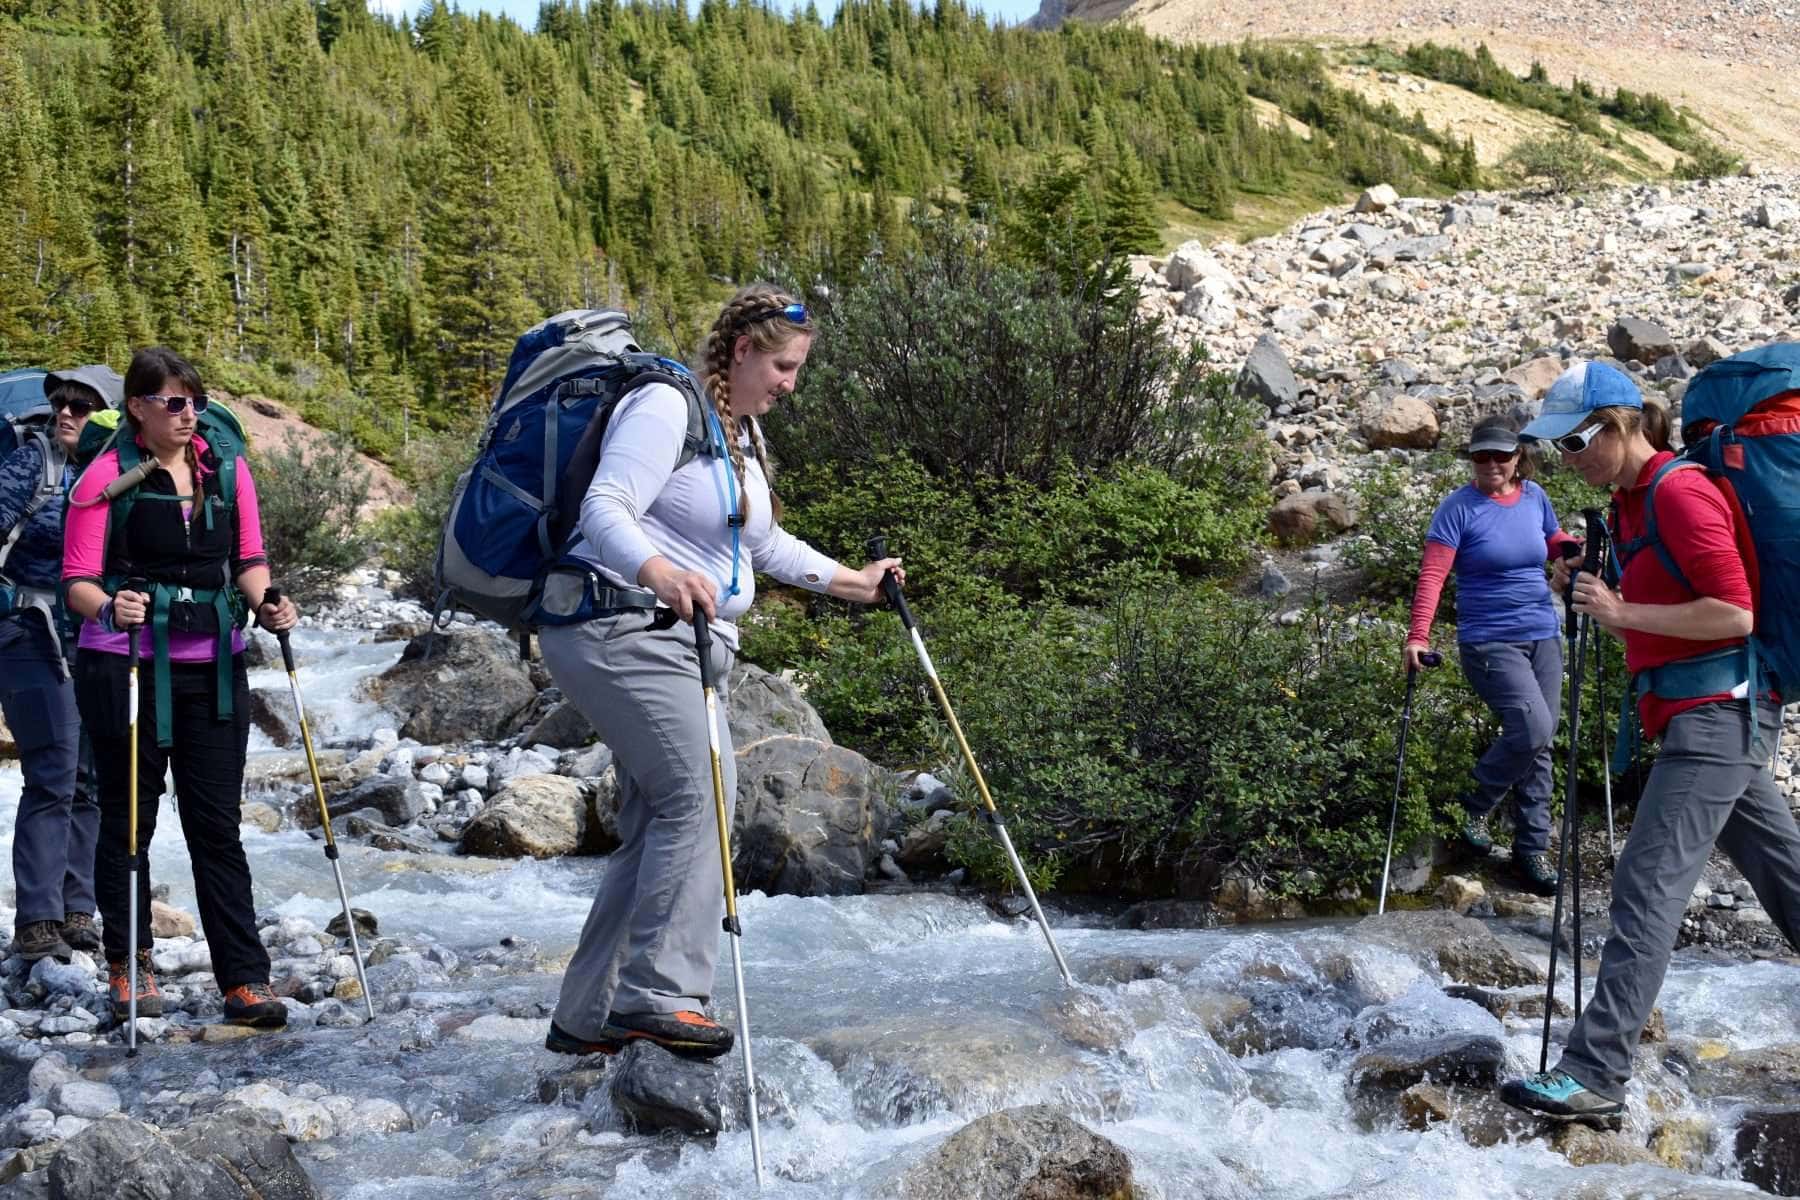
x=1130 y=225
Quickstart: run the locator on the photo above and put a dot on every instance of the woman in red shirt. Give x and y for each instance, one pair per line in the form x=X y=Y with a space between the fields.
x=1685 y=645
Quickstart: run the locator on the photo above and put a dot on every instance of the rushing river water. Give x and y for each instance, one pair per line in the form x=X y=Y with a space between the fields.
x=932 y=1008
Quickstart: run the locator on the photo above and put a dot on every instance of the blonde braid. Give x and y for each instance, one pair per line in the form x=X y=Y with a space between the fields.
x=769 y=334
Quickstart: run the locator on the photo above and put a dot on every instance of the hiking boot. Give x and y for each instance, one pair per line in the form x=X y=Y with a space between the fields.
x=256 y=1005
x=564 y=1042
x=79 y=930
x=689 y=1034
x=118 y=989
x=42 y=939
x=1559 y=1095
x=1473 y=836
x=1537 y=874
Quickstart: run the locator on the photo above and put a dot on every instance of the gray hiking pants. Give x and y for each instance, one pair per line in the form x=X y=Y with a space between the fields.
x=1708 y=785
x=652 y=937
x=1522 y=683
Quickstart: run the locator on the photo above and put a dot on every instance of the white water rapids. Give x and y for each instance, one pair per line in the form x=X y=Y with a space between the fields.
x=947 y=1005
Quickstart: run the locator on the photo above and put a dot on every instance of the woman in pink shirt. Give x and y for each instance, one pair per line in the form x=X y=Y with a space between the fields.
x=194 y=555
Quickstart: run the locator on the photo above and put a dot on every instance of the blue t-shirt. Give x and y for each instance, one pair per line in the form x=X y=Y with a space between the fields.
x=1501 y=592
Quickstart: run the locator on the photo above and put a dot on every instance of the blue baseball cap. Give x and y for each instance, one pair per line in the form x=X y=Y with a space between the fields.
x=1575 y=395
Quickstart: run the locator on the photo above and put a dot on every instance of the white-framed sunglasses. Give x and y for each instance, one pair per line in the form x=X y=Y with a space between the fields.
x=1576 y=442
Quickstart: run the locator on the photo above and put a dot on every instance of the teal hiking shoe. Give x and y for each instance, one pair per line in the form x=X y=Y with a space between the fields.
x=1473 y=835
x=1560 y=1095
x=1537 y=874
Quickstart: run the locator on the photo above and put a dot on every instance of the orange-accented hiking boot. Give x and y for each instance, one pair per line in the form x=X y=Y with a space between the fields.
x=118 y=989
x=256 y=1005
x=689 y=1034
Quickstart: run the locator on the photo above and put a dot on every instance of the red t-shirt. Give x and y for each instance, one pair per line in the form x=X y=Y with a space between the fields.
x=1700 y=530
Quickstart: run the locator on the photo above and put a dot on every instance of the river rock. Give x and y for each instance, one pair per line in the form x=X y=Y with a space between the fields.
x=1634 y=340
x=118 y=1157
x=167 y=921
x=397 y=801
x=1266 y=375
x=366 y=924
x=657 y=1091
x=1404 y=422
x=83 y=1098
x=923 y=846
x=472 y=687
x=1396 y=1065
x=1089 y=1020
x=1764 y=1075
x=272 y=712
x=1768 y=1149
x=1477 y=1114
x=563 y=727
x=1682 y=1143
x=1461 y=947
x=1586 y=1147
x=1033 y=1153
x=1298 y=519
x=236 y=1142
x=805 y=819
x=540 y=816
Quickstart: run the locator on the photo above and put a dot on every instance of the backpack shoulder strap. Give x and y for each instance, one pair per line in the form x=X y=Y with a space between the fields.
x=656 y=369
x=1653 y=539
x=48 y=487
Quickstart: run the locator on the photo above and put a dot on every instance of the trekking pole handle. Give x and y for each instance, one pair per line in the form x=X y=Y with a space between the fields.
x=272 y=595
x=890 y=586
x=703 y=647
x=1430 y=658
x=1596 y=540
x=140 y=585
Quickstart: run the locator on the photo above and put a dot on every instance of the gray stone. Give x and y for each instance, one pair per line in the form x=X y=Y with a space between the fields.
x=272 y=711
x=539 y=816
x=1682 y=272
x=1266 y=375
x=922 y=849
x=366 y=924
x=399 y=801
x=83 y=1098
x=805 y=819
x=1468 y=216
x=45 y=1074
x=657 y=1091
x=1396 y=1065
x=1034 y=1153
x=1777 y=212
x=1671 y=366
x=564 y=728
x=118 y=1157
x=238 y=1143
x=1379 y=198
x=61 y=979
x=763 y=705
x=471 y=687
x=1416 y=249
x=1273 y=585
x=1397 y=371
x=1634 y=340
x=1704 y=352
x=1461 y=947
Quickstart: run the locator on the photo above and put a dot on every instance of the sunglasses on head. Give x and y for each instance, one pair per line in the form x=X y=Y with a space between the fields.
x=174 y=404
x=80 y=408
x=788 y=312
x=1575 y=443
x=1492 y=456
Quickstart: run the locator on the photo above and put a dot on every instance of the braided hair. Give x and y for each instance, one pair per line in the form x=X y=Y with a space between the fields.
x=754 y=312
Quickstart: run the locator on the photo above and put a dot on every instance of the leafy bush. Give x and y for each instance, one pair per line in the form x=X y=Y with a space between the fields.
x=310 y=503
x=407 y=538
x=1708 y=160
x=1394 y=508
x=1565 y=162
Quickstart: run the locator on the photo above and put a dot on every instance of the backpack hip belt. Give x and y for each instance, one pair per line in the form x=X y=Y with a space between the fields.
x=231 y=612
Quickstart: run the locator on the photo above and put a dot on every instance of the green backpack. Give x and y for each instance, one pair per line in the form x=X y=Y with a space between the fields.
x=225 y=437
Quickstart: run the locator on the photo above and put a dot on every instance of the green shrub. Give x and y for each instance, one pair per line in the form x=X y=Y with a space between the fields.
x=1394 y=507
x=1564 y=162
x=407 y=537
x=1708 y=160
x=310 y=503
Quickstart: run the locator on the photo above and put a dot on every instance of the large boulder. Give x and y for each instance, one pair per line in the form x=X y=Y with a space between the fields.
x=238 y=1143
x=1033 y=1153
x=1461 y=947
x=1396 y=1065
x=272 y=711
x=1377 y=199
x=1266 y=375
x=761 y=705
x=546 y=816
x=117 y=1157
x=400 y=801
x=1404 y=422
x=463 y=685
x=805 y=821
x=1632 y=339
x=1297 y=519
x=1768 y=1149
x=1191 y=264
x=562 y=727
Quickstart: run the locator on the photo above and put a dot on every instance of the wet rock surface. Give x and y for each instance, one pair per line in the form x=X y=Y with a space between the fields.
x=1034 y=1153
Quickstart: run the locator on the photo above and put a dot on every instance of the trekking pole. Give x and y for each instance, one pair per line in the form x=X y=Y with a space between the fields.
x=1612 y=842
x=1430 y=658
x=1575 y=628
x=131 y=841
x=273 y=596
x=708 y=684
x=890 y=588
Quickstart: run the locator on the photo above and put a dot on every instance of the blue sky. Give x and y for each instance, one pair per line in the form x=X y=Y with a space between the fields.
x=525 y=11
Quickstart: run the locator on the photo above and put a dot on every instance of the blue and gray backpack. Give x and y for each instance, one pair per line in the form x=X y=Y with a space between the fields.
x=1741 y=425
x=505 y=549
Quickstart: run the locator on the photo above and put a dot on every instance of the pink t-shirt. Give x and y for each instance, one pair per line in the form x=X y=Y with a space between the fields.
x=84 y=554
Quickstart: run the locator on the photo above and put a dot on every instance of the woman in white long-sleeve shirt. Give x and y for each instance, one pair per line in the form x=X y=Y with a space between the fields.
x=694 y=535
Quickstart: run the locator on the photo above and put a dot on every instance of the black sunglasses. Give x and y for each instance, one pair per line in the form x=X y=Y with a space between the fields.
x=80 y=408
x=174 y=404
x=1492 y=456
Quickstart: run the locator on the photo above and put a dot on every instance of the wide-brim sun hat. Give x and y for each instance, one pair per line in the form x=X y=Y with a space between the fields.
x=100 y=378
x=1577 y=393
